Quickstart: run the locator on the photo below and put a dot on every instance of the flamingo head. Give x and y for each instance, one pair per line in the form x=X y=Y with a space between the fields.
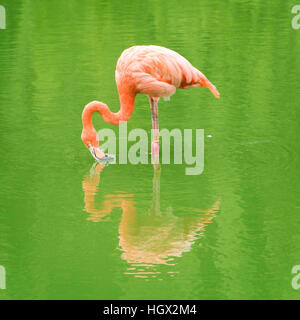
x=90 y=137
x=91 y=140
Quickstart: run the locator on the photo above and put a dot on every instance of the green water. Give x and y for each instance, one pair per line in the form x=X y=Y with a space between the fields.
x=70 y=231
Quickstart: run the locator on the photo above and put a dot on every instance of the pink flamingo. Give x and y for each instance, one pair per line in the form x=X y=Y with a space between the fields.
x=151 y=70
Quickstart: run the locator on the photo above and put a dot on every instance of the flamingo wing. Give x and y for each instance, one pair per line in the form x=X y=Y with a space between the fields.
x=158 y=71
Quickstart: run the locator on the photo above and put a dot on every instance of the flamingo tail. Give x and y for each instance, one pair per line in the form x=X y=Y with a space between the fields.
x=214 y=90
x=204 y=82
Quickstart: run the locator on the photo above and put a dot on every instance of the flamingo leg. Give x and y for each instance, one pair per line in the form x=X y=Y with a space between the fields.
x=155 y=130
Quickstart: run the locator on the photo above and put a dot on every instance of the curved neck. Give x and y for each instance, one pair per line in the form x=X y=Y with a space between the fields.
x=126 y=109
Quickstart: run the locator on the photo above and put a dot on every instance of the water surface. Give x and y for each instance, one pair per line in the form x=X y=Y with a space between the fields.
x=70 y=229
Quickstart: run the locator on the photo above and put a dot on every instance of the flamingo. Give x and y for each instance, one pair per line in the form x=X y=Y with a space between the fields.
x=152 y=70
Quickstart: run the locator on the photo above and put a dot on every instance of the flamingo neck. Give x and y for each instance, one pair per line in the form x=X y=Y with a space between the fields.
x=126 y=109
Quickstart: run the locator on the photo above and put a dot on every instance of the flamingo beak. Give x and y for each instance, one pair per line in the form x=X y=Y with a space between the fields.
x=99 y=156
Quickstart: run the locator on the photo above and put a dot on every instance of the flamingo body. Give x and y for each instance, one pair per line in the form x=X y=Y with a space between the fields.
x=151 y=70
x=157 y=71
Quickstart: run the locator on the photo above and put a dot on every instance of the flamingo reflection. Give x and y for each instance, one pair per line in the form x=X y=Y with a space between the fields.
x=151 y=239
